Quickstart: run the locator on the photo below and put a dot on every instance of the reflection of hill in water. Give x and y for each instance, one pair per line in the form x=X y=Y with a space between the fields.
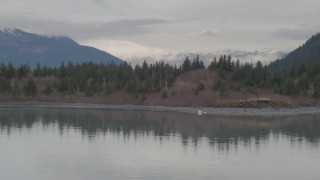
x=223 y=131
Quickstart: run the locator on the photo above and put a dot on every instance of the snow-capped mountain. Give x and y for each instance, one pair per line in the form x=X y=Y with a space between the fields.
x=265 y=56
x=20 y=47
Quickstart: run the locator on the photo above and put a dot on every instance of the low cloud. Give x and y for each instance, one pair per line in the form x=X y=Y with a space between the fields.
x=92 y=30
x=98 y=2
x=118 y=28
x=296 y=33
x=204 y=33
x=207 y=33
x=128 y=50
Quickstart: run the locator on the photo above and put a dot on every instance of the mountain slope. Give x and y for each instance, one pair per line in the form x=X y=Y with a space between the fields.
x=305 y=54
x=20 y=47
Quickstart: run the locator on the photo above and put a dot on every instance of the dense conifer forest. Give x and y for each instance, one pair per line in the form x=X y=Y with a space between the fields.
x=90 y=78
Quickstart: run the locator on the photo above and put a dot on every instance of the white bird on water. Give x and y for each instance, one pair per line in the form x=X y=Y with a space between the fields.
x=201 y=112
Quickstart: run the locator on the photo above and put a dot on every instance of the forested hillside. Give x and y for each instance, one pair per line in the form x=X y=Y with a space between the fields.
x=305 y=54
x=223 y=79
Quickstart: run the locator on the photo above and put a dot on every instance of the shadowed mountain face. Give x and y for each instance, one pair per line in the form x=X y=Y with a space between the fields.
x=305 y=54
x=19 y=47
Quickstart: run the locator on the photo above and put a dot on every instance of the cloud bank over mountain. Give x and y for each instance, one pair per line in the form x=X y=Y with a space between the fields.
x=165 y=27
x=265 y=56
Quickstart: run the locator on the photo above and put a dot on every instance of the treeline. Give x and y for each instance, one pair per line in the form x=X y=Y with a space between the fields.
x=301 y=79
x=239 y=77
x=90 y=78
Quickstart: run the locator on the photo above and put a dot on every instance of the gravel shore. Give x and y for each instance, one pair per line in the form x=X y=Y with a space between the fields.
x=191 y=110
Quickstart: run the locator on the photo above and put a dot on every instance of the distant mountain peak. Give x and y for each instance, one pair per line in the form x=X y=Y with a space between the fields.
x=21 y=47
x=11 y=31
x=18 y=33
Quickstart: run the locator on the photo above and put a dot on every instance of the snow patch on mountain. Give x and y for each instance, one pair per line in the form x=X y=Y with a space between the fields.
x=264 y=55
x=10 y=31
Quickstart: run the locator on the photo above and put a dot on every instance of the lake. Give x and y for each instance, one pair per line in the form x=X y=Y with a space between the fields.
x=116 y=144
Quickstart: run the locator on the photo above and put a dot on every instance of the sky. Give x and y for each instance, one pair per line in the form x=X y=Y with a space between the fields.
x=138 y=28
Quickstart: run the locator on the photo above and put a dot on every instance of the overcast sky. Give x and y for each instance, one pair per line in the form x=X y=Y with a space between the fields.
x=128 y=28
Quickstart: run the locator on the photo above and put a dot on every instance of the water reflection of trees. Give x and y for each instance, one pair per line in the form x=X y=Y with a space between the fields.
x=222 y=132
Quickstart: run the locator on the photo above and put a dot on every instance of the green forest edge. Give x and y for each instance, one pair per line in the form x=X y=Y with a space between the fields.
x=90 y=78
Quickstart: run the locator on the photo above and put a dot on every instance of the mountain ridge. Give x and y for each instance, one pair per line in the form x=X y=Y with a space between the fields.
x=21 y=47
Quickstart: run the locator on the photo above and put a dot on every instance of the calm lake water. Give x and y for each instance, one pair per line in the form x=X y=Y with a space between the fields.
x=108 y=144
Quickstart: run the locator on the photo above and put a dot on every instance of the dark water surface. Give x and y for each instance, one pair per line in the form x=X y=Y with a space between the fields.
x=108 y=144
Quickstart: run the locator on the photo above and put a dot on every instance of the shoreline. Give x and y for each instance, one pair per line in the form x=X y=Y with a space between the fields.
x=189 y=110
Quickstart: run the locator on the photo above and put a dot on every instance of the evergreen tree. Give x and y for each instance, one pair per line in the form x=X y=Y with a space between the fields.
x=10 y=72
x=213 y=65
x=15 y=89
x=23 y=71
x=62 y=71
x=37 y=71
x=4 y=84
x=30 y=88
x=48 y=88
x=186 y=65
